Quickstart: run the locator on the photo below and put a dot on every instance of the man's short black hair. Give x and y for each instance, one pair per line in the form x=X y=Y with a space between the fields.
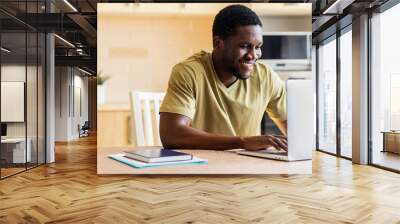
x=232 y=16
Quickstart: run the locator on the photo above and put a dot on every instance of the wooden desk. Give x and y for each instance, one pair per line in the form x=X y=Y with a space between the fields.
x=219 y=162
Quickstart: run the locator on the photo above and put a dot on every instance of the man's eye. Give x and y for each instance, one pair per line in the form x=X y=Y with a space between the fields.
x=244 y=46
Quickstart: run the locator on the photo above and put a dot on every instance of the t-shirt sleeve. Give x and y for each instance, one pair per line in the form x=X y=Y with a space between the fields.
x=276 y=107
x=180 y=95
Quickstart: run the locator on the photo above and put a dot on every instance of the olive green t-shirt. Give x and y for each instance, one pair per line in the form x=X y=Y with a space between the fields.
x=195 y=91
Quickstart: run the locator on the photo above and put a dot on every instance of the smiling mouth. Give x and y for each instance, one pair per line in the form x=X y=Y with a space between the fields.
x=248 y=64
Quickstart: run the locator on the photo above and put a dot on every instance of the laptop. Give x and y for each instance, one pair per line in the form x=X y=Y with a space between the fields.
x=301 y=125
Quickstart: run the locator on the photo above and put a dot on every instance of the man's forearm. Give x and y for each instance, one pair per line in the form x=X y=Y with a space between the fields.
x=191 y=138
x=176 y=132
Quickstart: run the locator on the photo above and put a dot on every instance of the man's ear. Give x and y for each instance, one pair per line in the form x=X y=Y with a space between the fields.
x=218 y=43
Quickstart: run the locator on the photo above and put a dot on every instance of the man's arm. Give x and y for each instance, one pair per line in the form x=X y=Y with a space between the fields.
x=176 y=132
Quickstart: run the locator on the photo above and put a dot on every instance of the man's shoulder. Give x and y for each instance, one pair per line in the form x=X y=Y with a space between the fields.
x=267 y=76
x=196 y=60
x=263 y=69
x=193 y=65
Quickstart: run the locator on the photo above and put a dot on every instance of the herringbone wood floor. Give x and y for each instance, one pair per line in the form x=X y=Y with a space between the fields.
x=69 y=191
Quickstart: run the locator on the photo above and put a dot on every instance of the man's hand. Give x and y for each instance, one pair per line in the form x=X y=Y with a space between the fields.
x=265 y=141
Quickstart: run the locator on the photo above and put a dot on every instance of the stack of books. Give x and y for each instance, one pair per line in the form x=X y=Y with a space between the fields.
x=143 y=157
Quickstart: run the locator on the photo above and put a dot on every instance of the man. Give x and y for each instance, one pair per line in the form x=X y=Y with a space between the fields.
x=217 y=100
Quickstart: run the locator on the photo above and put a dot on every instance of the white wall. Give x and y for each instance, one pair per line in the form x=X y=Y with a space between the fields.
x=71 y=94
x=80 y=104
x=62 y=82
x=14 y=73
x=17 y=73
x=33 y=126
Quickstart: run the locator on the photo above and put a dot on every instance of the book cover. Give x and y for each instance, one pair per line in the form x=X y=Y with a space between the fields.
x=156 y=154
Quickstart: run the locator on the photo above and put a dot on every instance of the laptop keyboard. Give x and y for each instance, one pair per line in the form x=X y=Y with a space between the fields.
x=274 y=152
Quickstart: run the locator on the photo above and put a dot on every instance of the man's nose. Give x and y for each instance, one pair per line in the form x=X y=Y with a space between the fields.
x=252 y=54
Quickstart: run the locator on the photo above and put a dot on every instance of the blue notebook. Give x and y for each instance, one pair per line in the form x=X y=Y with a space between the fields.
x=138 y=164
x=155 y=154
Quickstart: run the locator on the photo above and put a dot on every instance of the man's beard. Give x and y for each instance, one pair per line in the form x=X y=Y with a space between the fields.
x=233 y=70
x=237 y=75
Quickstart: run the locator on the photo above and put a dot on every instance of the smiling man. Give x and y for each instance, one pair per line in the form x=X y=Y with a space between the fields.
x=217 y=100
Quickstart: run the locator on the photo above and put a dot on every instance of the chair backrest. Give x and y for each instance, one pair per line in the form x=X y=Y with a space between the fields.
x=145 y=117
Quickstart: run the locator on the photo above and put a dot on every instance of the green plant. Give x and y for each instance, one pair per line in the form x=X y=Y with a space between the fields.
x=101 y=79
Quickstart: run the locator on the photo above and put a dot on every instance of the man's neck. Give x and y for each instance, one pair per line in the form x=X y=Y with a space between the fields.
x=226 y=77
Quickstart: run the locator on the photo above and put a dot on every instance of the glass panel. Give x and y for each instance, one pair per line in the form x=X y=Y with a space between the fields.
x=14 y=152
x=13 y=86
x=23 y=87
x=327 y=97
x=31 y=84
x=346 y=94
x=386 y=89
x=394 y=101
x=31 y=97
x=41 y=98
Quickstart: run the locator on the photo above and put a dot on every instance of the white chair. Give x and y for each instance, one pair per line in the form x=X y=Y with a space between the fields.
x=145 y=107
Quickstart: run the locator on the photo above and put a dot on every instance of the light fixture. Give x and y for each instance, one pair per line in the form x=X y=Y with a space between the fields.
x=70 y=5
x=65 y=41
x=84 y=71
x=79 y=51
x=5 y=50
